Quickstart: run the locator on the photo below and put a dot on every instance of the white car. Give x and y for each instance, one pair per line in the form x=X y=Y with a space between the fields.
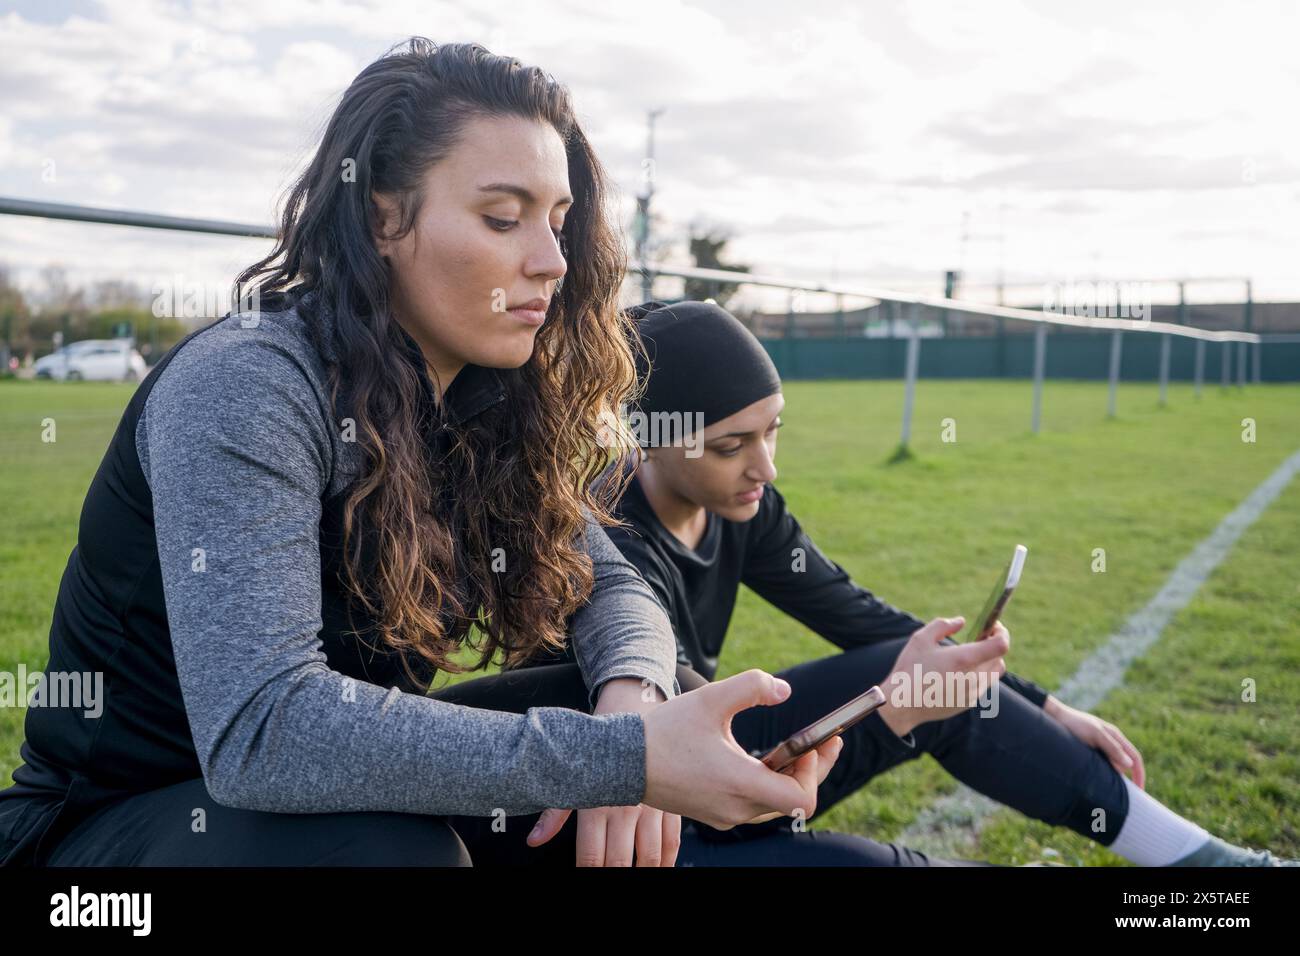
x=103 y=360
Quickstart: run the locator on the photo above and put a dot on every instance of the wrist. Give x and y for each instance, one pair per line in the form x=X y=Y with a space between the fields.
x=628 y=695
x=897 y=719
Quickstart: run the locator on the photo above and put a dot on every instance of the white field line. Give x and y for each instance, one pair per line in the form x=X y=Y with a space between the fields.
x=949 y=827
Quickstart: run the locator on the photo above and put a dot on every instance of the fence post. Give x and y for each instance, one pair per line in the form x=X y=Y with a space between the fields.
x=1164 y=368
x=1002 y=348
x=1227 y=349
x=1241 y=364
x=909 y=389
x=787 y=341
x=1040 y=361
x=1255 y=354
x=1200 y=365
x=1116 y=340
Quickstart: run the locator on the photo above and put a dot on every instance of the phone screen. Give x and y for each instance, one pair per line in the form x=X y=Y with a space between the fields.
x=978 y=627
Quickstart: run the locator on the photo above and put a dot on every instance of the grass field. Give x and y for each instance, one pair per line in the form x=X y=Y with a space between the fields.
x=924 y=534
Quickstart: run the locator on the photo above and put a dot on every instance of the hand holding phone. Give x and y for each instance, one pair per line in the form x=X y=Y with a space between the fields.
x=815 y=734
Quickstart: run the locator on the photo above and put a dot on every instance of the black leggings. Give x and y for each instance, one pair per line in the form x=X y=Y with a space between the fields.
x=158 y=828
x=155 y=828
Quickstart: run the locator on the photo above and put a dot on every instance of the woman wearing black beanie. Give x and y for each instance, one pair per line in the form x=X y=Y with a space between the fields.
x=703 y=516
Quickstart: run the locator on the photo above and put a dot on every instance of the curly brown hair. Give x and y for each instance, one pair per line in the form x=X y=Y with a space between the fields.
x=522 y=472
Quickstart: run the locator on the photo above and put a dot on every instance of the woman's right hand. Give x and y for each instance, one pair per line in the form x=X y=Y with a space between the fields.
x=695 y=768
x=810 y=774
x=926 y=657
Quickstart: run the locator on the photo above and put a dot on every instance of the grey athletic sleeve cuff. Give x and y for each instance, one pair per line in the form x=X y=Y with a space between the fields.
x=623 y=630
x=235 y=442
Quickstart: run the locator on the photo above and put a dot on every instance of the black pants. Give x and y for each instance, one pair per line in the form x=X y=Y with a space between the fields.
x=1021 y=757
x=1047 y=777
x=158 y=828
x=164 y=827
x=775 y=843
x=153 y=828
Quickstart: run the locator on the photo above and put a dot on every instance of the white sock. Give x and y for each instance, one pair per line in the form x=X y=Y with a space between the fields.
x=1152 y=834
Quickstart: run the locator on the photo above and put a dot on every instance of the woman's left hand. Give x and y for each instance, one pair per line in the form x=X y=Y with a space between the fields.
x=1103 y=736
x=617 y=836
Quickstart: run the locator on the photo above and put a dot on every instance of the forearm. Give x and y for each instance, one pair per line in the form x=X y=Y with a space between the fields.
x=622 y=631
x=901 y=720
x=1027 y=689
x=318 y=742
x=786 y=568
x=628 y=695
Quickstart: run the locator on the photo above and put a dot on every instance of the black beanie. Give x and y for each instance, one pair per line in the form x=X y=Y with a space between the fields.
x=702 y=359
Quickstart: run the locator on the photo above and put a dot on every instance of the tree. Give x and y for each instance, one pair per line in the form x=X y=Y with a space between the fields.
x=144 y=325
x=62 y=308
x=119 y=294
x=113 y=303
x=706 y=246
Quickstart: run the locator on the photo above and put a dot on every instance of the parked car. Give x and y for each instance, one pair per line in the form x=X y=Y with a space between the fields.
x=104 y=360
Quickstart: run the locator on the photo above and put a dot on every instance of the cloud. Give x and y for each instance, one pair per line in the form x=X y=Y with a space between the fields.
x=872 y=136
x=1126 y=170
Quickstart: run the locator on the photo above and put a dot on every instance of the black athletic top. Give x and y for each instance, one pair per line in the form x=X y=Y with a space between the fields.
x=773 y=556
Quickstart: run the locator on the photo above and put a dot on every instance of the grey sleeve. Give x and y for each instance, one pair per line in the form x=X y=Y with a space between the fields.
x=235 y=445
x=622 y=630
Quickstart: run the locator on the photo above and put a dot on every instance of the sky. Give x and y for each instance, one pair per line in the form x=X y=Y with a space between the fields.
x=866 y=143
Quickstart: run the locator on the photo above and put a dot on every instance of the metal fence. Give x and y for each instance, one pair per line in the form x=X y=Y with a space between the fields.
x=1234 y=342
x=909 y=304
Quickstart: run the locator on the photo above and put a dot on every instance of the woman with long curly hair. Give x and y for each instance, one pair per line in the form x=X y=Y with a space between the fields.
x=381 y=456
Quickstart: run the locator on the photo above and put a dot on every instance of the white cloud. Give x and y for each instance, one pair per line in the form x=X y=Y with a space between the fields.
x=1141 y=140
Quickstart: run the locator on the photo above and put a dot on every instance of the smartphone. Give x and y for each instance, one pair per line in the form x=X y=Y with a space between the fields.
x=978 y=628
x=816 y=734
